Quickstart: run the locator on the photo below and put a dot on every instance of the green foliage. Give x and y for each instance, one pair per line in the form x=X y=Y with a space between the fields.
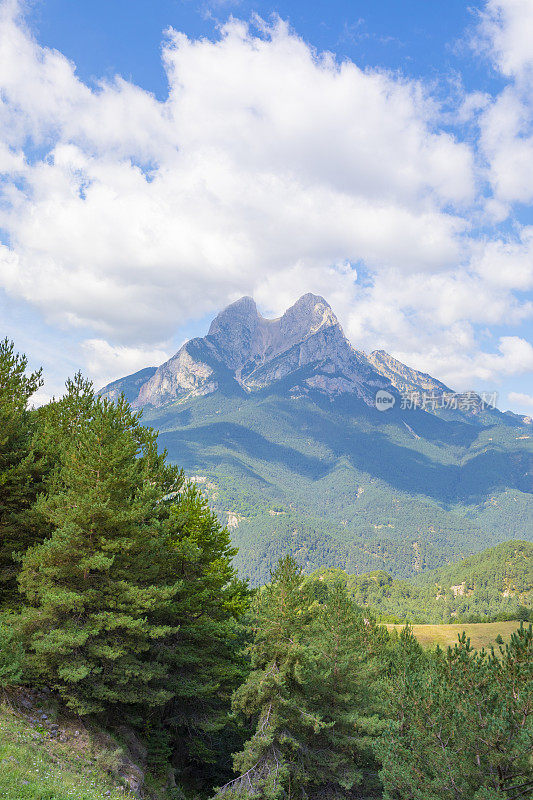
x=491 y=585
x=19 y=466
x=309 y=694
x=462 y=722
x=347 y=649
x=506 y=566
x=202 y=658
x=93 y=585
x=274 y=694
x=11 y=655
x=134 y=606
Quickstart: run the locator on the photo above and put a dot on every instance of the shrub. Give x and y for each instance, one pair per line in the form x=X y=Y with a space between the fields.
x=11 y=656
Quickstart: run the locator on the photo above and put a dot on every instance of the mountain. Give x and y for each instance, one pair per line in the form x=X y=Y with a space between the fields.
x=506 y=570
x=129 y=386
x=404 y=378
x=245 y=352
x=280 y=422
x=495 y=583
x=525 y=418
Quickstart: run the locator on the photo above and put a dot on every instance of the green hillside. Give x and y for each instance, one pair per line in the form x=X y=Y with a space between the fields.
x=506 y=569
x=341 y=484
x=43 y=760
x=494 y=584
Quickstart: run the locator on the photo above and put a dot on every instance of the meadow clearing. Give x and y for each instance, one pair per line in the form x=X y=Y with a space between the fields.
x=481 y=634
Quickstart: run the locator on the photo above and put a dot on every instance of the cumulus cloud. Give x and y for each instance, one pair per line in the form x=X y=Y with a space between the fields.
x=507 y=143
x=521 y=399
x=430 y=322
x=106 y=363
x=422 y=315
x=266 y=158
x=270 y=169
x=507 y=263
x=505 y=33
x=462 y=369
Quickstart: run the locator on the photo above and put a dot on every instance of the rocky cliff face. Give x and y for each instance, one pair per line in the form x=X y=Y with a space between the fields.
x=244 y=338
x=307 y=336
x=404 y=378
x=187 y=374
x=245 y=352
x=129 y=386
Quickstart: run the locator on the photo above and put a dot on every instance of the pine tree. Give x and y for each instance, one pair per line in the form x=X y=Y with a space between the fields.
x=93 y=586
x=203 y=659
x=275 y=761
x=20 y=476
x=462 y=723
x=343 y=691
x=11 y=655
x=312 y=693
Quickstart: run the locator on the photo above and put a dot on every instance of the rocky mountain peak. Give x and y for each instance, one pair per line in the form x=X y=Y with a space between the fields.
x=243 y=337
x=308 y=315
x=245 y=351
x=241 y=312
x=236 y=332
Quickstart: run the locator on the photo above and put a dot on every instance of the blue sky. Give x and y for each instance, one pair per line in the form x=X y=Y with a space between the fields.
x=417 y=38
x=158 y=160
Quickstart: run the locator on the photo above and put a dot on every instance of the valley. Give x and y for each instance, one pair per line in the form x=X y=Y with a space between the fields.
x=276 y=421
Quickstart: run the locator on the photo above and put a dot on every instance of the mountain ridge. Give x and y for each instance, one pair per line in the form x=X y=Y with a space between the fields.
x=244 y=350
x=277 y=420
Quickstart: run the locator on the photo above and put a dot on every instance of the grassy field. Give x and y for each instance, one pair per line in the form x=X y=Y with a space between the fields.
x=482 y=634
x=34 y=766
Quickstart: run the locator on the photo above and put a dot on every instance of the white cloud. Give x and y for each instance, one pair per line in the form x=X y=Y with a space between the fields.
x=507 y=143
x=430 y=323
x=266 y=159
x=521 y=399
x=105 y=363
x=507 y=263
x=505 y=33
x=270 y=170
x=462 y=369
x=415 y=310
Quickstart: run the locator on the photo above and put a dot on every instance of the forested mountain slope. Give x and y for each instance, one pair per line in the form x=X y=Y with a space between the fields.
x=506 y=569
x=494 y=584
x=277 y=419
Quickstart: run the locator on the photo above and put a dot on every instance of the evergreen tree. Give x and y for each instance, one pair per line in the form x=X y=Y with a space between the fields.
x=93 y=586
x=11 y=655
x=19 y=467
x=343 y=691
x=312 y=693
x=274 y=761
x=462 y=723
x=203 y=659
x=60 y=422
